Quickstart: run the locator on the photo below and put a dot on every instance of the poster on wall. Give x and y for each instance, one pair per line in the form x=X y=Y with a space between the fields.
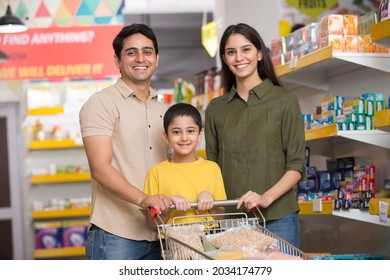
x=306 y=11
x=56 y=54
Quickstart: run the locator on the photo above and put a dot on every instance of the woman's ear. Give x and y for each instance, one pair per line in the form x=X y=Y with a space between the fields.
x=259 y=56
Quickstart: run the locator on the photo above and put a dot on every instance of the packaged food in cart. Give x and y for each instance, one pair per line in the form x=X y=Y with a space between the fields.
x=226 y=236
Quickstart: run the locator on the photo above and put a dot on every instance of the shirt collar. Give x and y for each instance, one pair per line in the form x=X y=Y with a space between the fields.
x=260 y=90
x=126 y=91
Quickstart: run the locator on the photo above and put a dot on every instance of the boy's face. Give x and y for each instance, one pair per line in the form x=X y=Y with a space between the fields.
x=183 y=135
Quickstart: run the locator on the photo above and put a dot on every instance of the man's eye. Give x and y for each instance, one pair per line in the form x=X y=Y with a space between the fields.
x=148 y=53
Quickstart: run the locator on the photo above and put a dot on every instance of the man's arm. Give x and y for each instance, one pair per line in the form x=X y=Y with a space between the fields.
x=99 y=153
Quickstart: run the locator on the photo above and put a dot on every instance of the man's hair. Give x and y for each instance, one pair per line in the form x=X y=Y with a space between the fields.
x=180 y=110
x=132 y=29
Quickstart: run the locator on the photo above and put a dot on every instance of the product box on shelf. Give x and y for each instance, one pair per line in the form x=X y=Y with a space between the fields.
x=48 y=235
x=74 y=233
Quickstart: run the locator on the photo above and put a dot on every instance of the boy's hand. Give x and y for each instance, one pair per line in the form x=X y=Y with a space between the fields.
x=181 y=203
x=205 y=201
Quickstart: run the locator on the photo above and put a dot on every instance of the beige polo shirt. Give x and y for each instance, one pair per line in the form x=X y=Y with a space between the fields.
x=136 y=130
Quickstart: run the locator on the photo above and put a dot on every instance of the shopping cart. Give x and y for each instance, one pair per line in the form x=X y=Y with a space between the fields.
x=177 y=239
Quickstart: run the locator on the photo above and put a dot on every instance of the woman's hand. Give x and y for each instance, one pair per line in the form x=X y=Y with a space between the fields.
x=252 y=200
x=205 y=201
x=181 y=203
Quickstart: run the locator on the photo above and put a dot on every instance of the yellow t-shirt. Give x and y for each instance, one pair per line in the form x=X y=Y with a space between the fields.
x=187 y=180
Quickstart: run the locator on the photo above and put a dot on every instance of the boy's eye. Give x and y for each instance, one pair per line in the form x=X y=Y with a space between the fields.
x=191 y=131
x=175 y=132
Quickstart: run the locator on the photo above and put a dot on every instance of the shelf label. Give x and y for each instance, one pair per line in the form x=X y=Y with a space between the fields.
x=383 y=206
x=293 y=62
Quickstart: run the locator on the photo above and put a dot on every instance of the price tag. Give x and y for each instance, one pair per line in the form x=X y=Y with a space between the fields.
x=383 y=206
x=293 y=62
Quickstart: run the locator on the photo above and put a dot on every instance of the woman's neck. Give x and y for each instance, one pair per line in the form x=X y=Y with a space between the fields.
x=243 y=86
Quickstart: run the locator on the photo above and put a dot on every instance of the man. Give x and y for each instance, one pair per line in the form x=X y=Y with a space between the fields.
x=121 y=128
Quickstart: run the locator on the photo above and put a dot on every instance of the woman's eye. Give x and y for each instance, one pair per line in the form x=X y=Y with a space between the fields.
x=230 y=52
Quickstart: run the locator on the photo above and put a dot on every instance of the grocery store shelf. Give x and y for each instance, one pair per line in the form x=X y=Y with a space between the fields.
x=380 y=33
x=321 y=132
x=65 y=213
x=46 y=111
x=374 y=137
x=61 y=178
x=313 y=70
x=59 y=253
x=382 y=120
x=307 y=208
x=360 y=215
x=53 y=144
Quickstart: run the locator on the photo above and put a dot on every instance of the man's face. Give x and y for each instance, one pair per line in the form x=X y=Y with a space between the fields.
x=138 y=60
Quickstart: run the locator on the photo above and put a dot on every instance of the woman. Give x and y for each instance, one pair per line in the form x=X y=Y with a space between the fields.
x=255 y=133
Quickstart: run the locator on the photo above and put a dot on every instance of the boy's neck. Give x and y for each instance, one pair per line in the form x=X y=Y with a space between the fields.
x=183 y=159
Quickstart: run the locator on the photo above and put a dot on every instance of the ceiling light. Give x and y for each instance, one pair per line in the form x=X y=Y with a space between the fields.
x=10 y=23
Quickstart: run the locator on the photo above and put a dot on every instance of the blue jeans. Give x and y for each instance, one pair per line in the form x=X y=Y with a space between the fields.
x=287 y=228
x=102 y=245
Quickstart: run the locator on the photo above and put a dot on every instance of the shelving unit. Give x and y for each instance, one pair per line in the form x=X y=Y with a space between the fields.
x=315 y=69
x=53 y=144
x=374 y=137
x=61 y=178
x=59 y=214
x=307 y=208
x=59 y=253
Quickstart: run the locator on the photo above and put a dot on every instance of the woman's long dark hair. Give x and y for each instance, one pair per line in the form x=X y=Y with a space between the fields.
x=265 y=67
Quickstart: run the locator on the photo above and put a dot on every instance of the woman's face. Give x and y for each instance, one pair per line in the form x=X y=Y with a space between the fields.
x=241 y=56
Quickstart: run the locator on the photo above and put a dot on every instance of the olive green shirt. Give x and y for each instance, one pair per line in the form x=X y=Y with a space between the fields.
x=256 y=142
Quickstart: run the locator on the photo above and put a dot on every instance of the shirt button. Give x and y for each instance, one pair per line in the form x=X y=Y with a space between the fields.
x=150 y=148
x=243 y=172
x=244 y=121
x=149 y=126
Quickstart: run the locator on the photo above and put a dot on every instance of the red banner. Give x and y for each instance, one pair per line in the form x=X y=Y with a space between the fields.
x=59 y=53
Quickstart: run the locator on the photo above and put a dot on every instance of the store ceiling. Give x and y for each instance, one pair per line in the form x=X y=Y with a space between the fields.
x=180 y=46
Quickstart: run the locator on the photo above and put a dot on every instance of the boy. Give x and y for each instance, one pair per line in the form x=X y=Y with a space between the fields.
x=184 y=177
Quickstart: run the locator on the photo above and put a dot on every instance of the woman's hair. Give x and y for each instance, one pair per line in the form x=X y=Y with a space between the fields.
x=265 y=67
x=132 y=29
x=180 y=110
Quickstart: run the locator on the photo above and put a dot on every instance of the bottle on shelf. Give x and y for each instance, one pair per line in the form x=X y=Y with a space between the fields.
x=179 y=97
x=38 y=132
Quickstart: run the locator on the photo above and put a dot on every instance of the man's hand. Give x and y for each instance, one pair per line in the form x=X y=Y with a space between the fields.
x=159 y=202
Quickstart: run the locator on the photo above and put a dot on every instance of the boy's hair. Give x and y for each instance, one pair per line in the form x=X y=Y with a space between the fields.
x=132 y=29
x=180 y=110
